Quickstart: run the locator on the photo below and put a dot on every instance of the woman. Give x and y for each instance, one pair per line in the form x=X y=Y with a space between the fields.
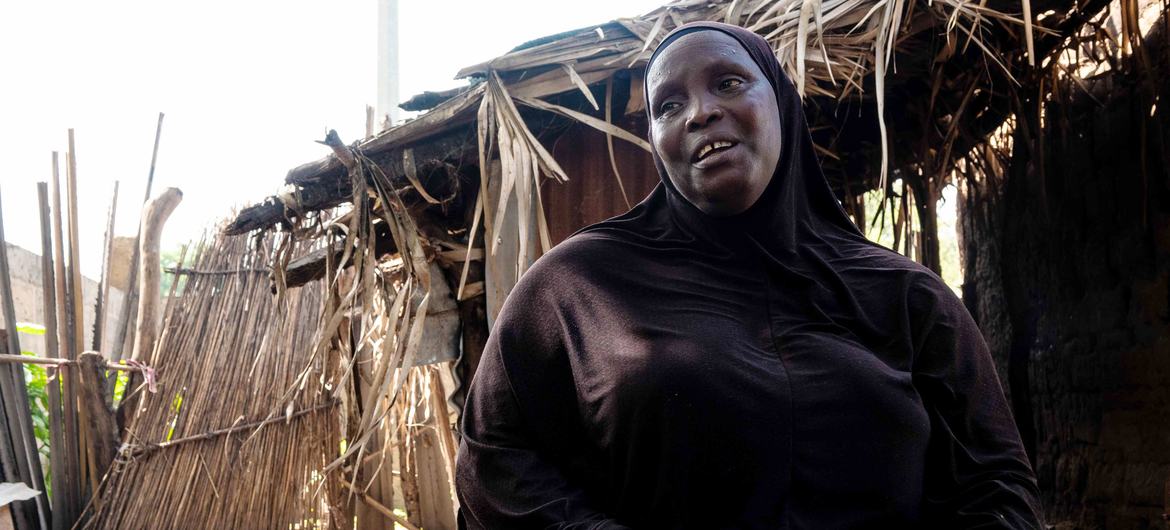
x=732 y=352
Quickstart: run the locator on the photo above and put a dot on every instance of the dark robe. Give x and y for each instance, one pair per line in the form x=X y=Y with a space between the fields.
x=769 y=370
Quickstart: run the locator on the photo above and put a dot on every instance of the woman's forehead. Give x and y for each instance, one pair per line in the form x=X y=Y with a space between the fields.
x=695 y=50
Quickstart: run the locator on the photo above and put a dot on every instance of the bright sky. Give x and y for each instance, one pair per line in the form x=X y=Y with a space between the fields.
x=247 y=86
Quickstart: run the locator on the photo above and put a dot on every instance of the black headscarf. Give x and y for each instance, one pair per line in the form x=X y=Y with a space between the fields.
x=798 y=203
x=770 y=369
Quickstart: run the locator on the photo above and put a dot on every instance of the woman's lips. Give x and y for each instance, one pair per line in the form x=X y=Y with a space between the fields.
x=716 y=157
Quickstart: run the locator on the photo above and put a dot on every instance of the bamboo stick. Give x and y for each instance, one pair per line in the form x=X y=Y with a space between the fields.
x=57 y=362
x=100 y=313
x=77 y=300
x=129 y=302
x=69 y=432
x=76 y=306
x=138 y=451
x=62 y=498
x=15 y=395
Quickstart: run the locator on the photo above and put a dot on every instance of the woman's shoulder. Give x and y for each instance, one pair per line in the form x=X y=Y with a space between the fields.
x=577 y=263
x=923 y=290
x=582 y=254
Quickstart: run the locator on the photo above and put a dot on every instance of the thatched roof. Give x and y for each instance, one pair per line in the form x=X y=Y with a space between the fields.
x=828 y=47
x=952 y=69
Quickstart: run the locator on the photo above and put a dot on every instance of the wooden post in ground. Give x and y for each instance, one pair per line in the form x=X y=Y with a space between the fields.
x=154 y=217
x=101 y=425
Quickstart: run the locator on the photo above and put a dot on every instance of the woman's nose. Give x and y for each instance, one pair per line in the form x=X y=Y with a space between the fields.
x=704 y=112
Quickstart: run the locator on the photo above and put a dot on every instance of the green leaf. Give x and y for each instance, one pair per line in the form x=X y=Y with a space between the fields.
x=30 y=328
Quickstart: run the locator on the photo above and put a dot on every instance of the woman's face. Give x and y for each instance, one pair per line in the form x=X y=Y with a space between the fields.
x=714 y=122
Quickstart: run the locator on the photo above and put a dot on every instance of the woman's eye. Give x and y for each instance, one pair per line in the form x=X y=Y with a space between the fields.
x=667 y=107
x=730 y=83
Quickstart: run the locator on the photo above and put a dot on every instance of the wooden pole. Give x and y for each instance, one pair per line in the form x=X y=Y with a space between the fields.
x=54 y=362
x=369 y=122
x=77 y=300
x=101 y=427
x=154 y=217
x=150 y=283
x=129 y=302
x=15 y=395
x=69 y=443
x=76 y=305
x=62 y=502
x=100 y=311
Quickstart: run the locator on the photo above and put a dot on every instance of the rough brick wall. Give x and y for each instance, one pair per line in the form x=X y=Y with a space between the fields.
x=28 y=298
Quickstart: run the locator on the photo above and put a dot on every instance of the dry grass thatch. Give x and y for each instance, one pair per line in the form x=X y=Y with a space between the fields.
x=829 y=47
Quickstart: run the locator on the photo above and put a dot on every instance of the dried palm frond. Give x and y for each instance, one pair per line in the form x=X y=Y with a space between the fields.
x=852 y=38
x=523 y=162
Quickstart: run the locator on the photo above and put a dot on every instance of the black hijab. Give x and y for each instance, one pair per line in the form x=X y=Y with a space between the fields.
x=798 y=203
x=771 y=369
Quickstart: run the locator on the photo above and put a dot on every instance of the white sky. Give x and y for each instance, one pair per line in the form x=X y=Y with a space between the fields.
x=247 y=86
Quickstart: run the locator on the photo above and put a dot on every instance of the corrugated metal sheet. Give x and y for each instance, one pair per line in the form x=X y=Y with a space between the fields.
x=592 y=193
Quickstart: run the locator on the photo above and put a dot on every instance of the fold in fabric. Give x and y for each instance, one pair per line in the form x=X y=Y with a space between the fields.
x=769 y=370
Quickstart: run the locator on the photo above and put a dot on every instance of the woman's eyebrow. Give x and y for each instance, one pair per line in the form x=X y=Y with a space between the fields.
x=662 y=90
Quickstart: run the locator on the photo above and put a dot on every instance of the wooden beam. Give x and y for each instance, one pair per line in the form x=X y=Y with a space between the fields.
x=311 y=266
x=437 y=122
x=315 y=191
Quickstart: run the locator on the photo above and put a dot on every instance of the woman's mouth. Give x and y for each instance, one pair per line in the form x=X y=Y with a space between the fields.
x=710 y=153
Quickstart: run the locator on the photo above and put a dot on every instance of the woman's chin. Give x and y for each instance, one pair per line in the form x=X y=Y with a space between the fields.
x=724 y=199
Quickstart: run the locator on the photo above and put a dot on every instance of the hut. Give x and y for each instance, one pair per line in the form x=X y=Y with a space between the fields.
x=1044 y=113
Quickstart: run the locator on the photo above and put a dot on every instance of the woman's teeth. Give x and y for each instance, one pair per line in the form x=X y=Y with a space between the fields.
x=707 y=149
